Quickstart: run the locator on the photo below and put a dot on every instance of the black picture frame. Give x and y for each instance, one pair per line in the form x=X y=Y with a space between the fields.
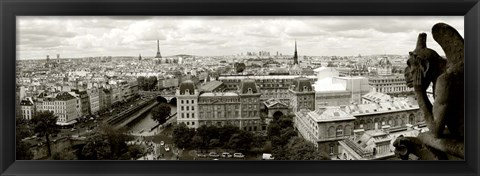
x=9 y=9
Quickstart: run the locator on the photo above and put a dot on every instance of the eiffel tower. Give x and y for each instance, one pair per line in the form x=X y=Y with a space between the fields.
x=158 y=50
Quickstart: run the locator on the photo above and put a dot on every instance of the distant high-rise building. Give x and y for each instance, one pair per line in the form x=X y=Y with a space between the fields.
x=48 y=58
x=295 y=57
x=58 y=56
x=158 y=50
x=139 y=57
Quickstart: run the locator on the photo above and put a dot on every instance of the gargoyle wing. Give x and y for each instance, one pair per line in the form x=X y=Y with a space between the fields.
x=450 y=41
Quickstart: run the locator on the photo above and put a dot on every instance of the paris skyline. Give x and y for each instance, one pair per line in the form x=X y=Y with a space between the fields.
x=215 y=36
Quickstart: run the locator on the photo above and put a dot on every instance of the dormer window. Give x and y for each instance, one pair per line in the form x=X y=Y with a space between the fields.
x=304 y=88
x=249 y=90
x=187 y=92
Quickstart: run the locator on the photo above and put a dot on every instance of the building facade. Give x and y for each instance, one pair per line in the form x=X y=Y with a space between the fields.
x=324 y=127
x=250 y=105
x=240 y=108
x=396 y=114
x=271 y=86
x=63 y=105
x=94 y=98
x=84 y=101
x=187 y=104
x=388 y=84
x=302 y=95
x=27 y=107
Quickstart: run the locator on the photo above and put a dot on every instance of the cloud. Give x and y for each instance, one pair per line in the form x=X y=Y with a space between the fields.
x=130 y=35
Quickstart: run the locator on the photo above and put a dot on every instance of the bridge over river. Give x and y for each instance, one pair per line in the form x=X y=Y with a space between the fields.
x=137 y=114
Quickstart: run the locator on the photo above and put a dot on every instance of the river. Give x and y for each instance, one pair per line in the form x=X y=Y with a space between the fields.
x=146 y=122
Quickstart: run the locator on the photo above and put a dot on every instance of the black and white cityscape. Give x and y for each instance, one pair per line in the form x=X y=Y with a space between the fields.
x=217 y=88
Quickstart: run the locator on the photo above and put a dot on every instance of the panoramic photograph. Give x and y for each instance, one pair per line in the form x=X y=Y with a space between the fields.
x=240 y=88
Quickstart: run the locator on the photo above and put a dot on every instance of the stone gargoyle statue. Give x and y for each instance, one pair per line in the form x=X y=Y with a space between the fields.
x=445 y=118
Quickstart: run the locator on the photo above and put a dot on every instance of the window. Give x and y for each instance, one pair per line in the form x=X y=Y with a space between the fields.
x=188 y=123
x=193 y=101
x=187 y=101
x=188 y=108
x=331 y=149
x=182 y=116
x=193 y=108
x=339 y=131
x=193 y=123
x=188 y=115
x=182 y=108
x=181 y=101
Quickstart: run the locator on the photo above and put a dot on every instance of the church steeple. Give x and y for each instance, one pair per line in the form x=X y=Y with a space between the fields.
x=295 y=57
x=139 y=56
x=158 y=50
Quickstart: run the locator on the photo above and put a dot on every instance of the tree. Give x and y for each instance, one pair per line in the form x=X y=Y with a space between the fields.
x=226 y=132
x=273 y=130
x=97 y=148
x=300 y=149
x=258 y=141
x=182 y=135
x=22 y=130
x=197 y=142
x=214 y=143
x=241 y=141
x=287 y=134
x=161 y=112
x=239 y=67
x=141 y=82
x=23 y=151
x=152 y=82
x=207 y=133
x=108 y=144
x=65 y=154
x=45 y=125
x=134 y=152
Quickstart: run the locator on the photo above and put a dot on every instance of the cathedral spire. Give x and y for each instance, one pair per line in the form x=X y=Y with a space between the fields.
x=158 y=50
x=295 y=57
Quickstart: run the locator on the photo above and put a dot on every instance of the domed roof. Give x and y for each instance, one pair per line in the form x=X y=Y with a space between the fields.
x=248 y=84
x=384 y=62
x=187 y=85
x=302 y=84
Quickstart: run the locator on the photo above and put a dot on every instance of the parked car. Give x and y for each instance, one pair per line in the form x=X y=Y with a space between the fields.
x=238 y=155
x=202 y=155
x=213 y=155
x=162 y=143
x=73 y=129
x=167 y=149
x=226 y=155
x=267 y=156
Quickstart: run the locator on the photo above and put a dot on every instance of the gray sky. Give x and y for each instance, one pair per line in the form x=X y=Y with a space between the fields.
x=213 y=36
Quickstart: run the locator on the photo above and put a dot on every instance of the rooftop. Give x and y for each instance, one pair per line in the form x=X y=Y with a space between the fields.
x=382 y=107
x=377 y=97
x=265 y=77
x=327 y=114
x=272 y=102
x=210 y=86
x=218 y=94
